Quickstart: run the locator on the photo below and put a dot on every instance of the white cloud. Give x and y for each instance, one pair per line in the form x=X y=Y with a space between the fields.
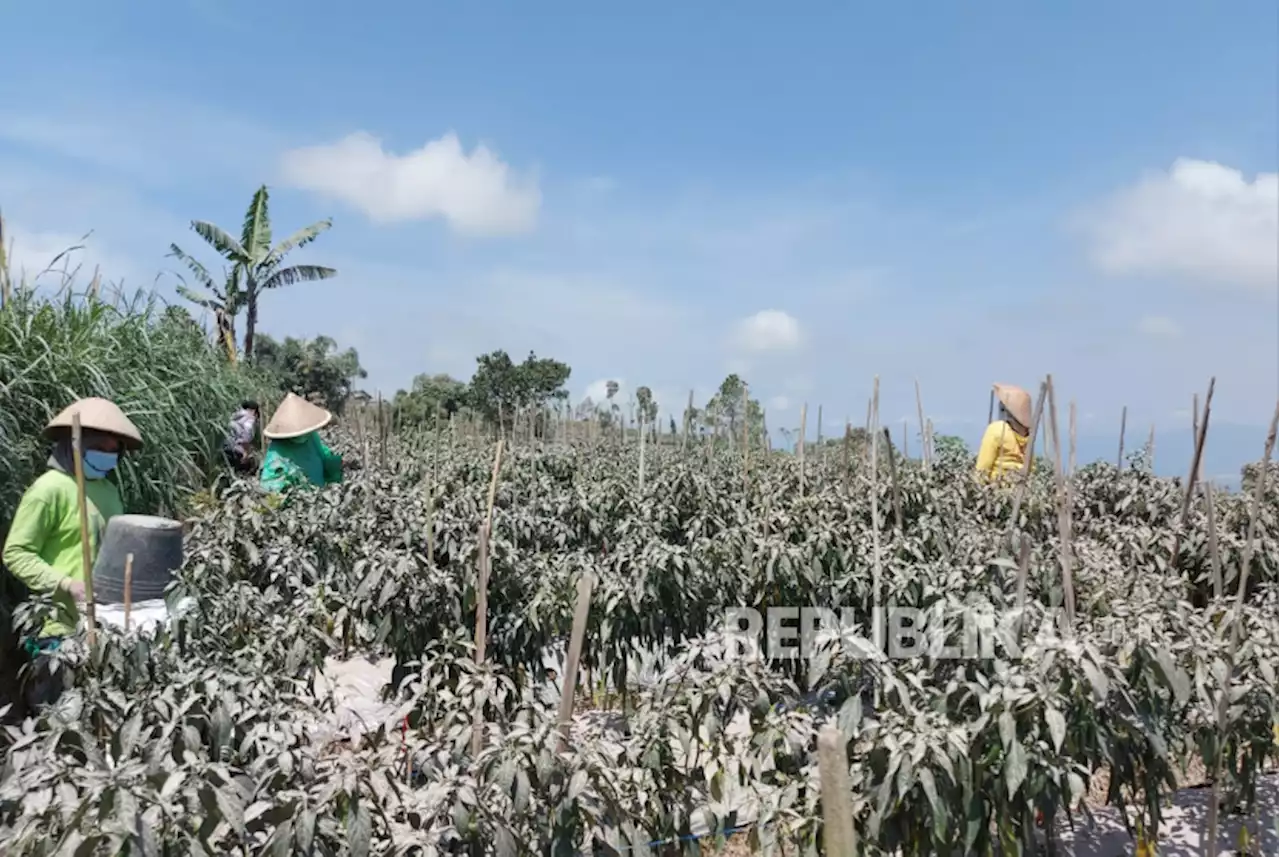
x=1159 y=325
x=1200 y=220
x=768 y=330
x=598 y=391
x=476 y=193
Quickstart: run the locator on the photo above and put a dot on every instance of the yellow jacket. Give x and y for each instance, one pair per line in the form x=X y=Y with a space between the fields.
x=1003 y=450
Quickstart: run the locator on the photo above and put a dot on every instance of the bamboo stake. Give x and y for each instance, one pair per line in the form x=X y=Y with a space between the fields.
x=382 y=435
x=822 y=453
x=86 y=561
x=893 y=475
x=482 y=630
x=128 y=589
x=580 y=614
x=1151 y=447
x=493 y=487
x=640 y=470
x=804 y=414
x=837 y=805
x=1024 y=565
x=1064 y=519
x=746 y=446
x=867 y=436
x=848 y=442
x=1202 y=431
x=1234 y=642
x=991 y=407
x=431 y=492
x=875 y=523
x=1215 y=558
x=1071 y=462
x=925 y=456
x=1124 y=416
x=1026 y=463
x=1195 y=420
x=688 y=422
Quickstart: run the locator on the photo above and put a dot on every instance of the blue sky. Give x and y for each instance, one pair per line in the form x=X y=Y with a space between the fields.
x=812 y=195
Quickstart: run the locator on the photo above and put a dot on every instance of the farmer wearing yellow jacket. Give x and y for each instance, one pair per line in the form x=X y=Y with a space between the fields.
x=1004 y=444
x=43 y=549
x=296 y=455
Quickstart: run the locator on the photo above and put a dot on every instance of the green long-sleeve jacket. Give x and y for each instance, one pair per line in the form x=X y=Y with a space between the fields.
x=299 y=461
x=43 y=545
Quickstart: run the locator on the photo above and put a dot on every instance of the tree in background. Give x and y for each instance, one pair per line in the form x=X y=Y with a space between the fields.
x=255 y=266
x=430 y=396
x=726 y=409
x=646 y=406
x=312 y=368
x=500 y=387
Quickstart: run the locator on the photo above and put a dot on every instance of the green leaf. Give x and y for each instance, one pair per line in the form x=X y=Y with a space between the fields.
x=1057 y=726
x=1096 y=679
x=359 y=830
x=1015 y=768
x=1008 y=728
x=129 y=734
x=231 y=807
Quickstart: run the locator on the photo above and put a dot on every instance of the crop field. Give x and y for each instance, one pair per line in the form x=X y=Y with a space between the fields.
x=1132 y=620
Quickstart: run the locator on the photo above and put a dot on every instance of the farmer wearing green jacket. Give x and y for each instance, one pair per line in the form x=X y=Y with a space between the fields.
x=43 y=549
x=296 y=455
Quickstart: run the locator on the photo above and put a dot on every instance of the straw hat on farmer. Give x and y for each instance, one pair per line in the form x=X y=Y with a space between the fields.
x=296 y=455
x=1004 y=443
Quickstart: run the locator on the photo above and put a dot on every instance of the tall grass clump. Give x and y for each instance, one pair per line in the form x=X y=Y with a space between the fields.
x=153 y=361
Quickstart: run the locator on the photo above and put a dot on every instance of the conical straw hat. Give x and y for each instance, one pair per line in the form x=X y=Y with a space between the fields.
x=99 y=415
x=1016 y=401
x=296 y=417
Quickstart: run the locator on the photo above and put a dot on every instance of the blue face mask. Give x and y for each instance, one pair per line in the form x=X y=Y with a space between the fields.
x=98 y=464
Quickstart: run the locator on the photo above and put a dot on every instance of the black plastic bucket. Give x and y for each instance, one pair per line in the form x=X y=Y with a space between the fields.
x=156 y=545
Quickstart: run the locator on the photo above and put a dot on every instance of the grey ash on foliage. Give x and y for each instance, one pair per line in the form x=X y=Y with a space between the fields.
x=208 y=737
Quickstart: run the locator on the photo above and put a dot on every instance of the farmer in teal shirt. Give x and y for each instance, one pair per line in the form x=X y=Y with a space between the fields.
x=296 y=455
x=43 y=548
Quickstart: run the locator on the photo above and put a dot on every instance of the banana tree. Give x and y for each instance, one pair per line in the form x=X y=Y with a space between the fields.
x=256 y=265
x=225 y=301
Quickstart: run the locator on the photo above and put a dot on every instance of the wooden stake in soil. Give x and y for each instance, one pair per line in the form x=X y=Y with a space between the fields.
x=1071 y=461
x=1030 y=456
x=482 y=629
x=128 y=589
x=1215 y=559
x=804 y=413
x=1124 y=416
x=875 y=522
x=848 y=441
x=924 y=433
x=1242 y=588
x=1024 y=566
x=1151 y=447
x=86 y=561
x=493 y=487
x=1064 y=511
x=837 y=794
x=1202 y=431
x=893 y=475
x=580 y=614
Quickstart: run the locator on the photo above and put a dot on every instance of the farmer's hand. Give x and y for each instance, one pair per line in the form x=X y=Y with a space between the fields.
x=74 y=588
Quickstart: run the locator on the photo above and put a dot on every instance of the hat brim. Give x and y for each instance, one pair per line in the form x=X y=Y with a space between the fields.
x=97 y=415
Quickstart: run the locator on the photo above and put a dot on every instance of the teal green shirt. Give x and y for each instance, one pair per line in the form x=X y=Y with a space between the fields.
x=43 y=546
x=299 y=461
